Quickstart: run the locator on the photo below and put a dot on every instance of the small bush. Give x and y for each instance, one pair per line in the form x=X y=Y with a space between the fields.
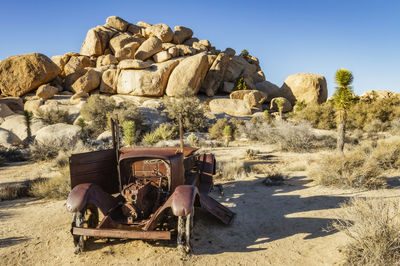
x=289 y=137
x=14 y=191
x=96 y=113
x=163 y=132
x=251 y=154
x=193 y=140
x=53 y=188
x=234 y=170
x=217 y=130
x=240 y=84
x=395 y=126
x=386 y=154
x=321 y=116
x=355 y=169
x=190 y=110
x=12 y=155
x=43 y=151
x=54 y=116
x=373 y=226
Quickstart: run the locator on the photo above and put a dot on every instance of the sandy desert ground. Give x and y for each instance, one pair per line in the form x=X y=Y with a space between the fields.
x=278 y=225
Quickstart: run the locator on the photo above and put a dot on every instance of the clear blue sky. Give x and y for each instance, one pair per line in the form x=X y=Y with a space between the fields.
x=287 y=36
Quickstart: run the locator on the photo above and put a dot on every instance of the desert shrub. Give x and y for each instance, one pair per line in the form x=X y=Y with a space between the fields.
x=130 y=132
x=43 y=151
x=165 y=131
x=365 y=112
x=96 y=113
x=251 y=154
x=375 y=126
x=130 y=112
x=234 y=170
x=54 y=116
x=289 y=136
x=12 y=155
x=217 y=130
x=395 y=126
x=240 y=84
x=14 y=191
x=299 y=106
x=244 y=53
x=57 y=187
x=193 y=140
x=321 y=116
x=373 y=226
x=386 y=154
x=352 y=169
x=190 y=110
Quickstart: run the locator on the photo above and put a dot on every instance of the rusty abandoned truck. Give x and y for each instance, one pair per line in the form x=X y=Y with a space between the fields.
x=136 y=189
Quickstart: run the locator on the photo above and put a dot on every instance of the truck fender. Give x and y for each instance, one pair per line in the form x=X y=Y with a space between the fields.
x=85 y=193
x=182 y=200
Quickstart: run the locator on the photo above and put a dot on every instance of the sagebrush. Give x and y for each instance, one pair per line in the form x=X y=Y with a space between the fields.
x=373 y=226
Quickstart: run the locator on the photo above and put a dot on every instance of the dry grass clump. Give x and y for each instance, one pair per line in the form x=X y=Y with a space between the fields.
x=12 y=155
x=43 y=151
x=57 y=187
x=54 y=116
x=374 y=228
x=290 y=137
x=362 y=167
x=10 y=192
x=251 y=154
x=234 y=170
x=354 y=169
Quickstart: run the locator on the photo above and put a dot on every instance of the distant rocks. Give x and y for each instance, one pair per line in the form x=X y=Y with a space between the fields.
x=233 y=107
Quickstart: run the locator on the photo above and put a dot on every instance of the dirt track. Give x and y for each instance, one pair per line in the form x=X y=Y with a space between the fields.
x=283 y=225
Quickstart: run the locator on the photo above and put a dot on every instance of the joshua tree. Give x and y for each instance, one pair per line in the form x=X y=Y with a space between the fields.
x=227 y=134
x=130 y=132
x=279 y=104
x=28 y=121
x=343 y=99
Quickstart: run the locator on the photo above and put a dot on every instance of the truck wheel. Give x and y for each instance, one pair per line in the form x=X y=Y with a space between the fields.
x=88 y=217
x=185 y=230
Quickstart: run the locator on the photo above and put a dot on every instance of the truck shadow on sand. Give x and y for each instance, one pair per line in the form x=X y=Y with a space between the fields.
x=263 y=214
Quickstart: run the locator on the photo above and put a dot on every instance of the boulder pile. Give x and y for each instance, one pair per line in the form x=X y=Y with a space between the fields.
x=144 y=60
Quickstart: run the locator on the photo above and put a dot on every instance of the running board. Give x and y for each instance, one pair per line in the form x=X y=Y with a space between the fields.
x=118 y=233
x=217 y=209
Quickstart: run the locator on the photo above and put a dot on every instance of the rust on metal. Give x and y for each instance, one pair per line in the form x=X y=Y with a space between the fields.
x=136 y=187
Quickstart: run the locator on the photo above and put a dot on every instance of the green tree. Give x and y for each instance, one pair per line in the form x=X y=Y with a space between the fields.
x=240 y=84
x=343 y=99
x=244 y=53
x=228 y=134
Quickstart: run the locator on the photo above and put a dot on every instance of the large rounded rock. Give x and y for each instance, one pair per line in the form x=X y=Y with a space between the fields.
x=46 y=91
x=88 y=82
x=161 y=31
x=148 y=48
x=77 y=63
x=5 y=110
x=106 y=60
x=16 y=124
x=161 y=56
x=21 y=74
x=188 y=76
x=233 y=107
x=133 y=64
x=273 y=91
x=108 y=81
x=146 y=82
x=14 y=103
x=215 y=74
x=286 y=105
x=307 y=87
x=182 y=34
x=92 y=45
x=8 y=139
x=254 y=98
x=59 y=135
x=117 y=23
x=119 y=41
